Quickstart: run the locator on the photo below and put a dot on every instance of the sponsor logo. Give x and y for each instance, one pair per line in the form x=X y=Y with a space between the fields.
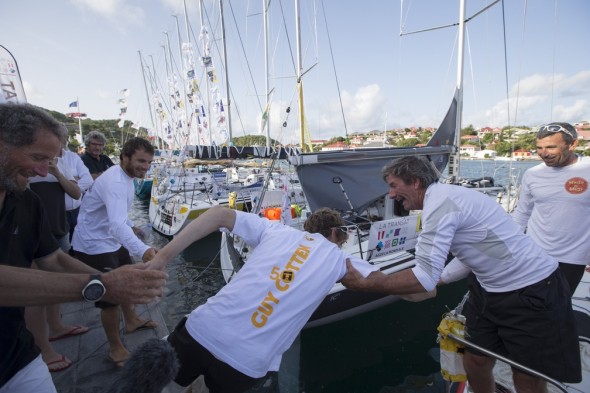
x=576 y=185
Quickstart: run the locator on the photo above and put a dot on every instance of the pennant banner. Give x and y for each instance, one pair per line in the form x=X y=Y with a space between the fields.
x=123 y=106
x=10 y=80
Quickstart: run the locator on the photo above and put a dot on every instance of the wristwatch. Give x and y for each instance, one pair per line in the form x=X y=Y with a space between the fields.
x=94 y=290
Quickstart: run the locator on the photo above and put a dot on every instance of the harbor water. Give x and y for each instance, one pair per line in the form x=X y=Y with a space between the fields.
x=392 y=349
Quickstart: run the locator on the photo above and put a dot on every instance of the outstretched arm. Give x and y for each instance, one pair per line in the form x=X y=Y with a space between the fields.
x=212 y=220
x=32 y=287
x=400 y=283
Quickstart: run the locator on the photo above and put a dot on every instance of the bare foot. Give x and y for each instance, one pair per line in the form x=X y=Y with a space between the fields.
x=140 y=324
x=118 y=357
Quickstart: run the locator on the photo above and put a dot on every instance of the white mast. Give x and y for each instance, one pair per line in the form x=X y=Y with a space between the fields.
x=206 y=53
x=265 y=6
x=227 y=92
x=147 y=96
x=183 y=78
x=454 y=162
x=299 y=77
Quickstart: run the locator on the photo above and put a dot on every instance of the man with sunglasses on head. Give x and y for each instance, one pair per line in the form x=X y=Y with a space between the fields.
x=554 y=202
x=95 y=161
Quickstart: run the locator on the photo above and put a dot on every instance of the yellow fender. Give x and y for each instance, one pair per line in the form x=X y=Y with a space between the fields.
x=451 y=351
x=232 y=199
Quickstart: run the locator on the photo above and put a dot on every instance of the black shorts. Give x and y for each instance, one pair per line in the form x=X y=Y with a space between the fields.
x=105 y=263
x=533 y=326
x=196 y=360
x=573 y=274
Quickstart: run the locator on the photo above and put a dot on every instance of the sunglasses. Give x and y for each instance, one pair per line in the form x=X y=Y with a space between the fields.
x=554 y=128
x=346 y=228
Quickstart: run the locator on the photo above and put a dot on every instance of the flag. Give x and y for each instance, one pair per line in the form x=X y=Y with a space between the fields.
x=11 y=86
x=73 y=104
x=264 y=118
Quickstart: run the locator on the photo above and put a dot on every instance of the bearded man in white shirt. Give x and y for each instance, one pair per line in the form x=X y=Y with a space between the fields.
x=105 y=238
x=553 y=196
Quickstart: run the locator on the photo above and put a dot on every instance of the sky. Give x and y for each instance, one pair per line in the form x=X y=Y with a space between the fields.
x=523 y=66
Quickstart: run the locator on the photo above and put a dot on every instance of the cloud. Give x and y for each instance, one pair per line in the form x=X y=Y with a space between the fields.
x=116 y=11
x=538 y=99
x=32 y=92
x=363 y=112
x=579 y=110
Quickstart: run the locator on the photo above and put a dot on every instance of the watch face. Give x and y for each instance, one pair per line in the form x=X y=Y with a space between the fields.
x=93 y=291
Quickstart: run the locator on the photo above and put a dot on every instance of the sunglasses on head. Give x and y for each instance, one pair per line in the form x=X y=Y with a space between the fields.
x=554 y=128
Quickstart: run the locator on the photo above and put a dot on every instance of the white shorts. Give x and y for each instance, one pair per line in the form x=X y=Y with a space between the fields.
x=35 y=377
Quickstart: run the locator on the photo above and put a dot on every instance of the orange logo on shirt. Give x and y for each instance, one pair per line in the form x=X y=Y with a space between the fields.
x=576 y=185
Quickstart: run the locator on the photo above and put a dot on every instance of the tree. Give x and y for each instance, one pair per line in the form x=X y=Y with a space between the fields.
x=504 y=148
x=469 y=130
x=252 y=140
x=425 y=136
x=410 y=142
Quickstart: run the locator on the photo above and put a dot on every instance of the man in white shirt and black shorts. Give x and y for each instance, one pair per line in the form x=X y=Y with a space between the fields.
x=105 y=238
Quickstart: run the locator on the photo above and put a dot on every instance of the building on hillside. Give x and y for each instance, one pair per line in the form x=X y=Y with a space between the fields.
x=318 y=142
x=357 y=140
x=583 y=135
x=486 y=153
x=335 y=146
x=470 y=138
x=468 y=150
x=521 y=153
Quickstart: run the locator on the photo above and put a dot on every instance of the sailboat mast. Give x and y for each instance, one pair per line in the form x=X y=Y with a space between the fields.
x=147 y=96
x=265 y=6
x=186 y=106
x=299 y=78
x=206 y=53
x=227 y=92
x=454 y=162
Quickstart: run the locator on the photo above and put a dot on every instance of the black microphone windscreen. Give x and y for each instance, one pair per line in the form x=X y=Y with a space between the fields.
x=150 y=367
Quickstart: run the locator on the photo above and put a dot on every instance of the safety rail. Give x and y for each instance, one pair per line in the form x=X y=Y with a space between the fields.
x=514 y=364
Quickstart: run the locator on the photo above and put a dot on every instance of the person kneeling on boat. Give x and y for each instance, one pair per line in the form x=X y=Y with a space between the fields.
x=240 y=334
x=519 y=305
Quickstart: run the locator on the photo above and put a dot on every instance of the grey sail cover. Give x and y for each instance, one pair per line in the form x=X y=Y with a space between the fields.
x=359 y=170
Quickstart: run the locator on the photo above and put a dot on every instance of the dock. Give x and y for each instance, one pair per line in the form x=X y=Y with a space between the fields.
x=91 y=371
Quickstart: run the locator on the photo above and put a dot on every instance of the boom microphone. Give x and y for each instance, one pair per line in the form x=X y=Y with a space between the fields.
x=151 y=367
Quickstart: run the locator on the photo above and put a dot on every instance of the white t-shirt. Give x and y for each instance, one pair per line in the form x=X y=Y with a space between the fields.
x=259 y=313
x=103 y=223
x=77 y=169
x=554 y=208
x=476 y=230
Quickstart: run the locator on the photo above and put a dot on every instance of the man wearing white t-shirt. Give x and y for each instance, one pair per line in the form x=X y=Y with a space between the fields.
x=519 y=304
x=82 y=175
x=105 y=237
x=554 y=204
x=554 y=201
x=240 y=334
